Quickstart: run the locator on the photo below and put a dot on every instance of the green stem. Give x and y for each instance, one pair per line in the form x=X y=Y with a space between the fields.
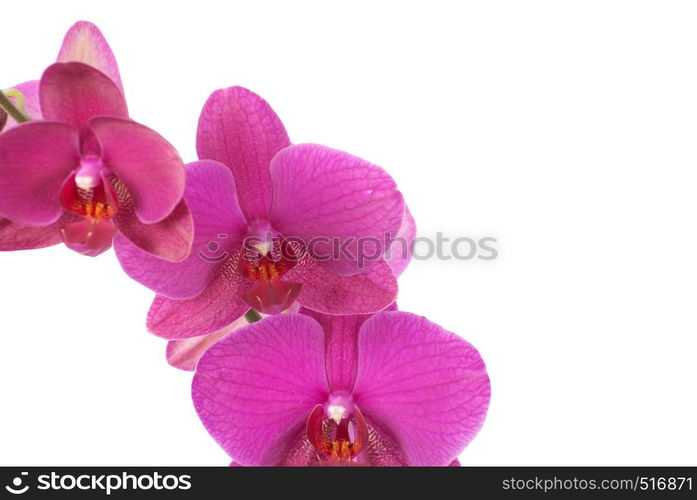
x=252 y=316
x=12 y=110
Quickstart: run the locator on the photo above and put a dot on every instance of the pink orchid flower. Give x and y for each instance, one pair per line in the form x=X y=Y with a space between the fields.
x=388 y=389
x=252 y=185
x=80 y=171
x=82 y=43
x=185 y=353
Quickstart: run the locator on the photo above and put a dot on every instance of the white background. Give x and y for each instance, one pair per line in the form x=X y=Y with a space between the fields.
x=564 y=129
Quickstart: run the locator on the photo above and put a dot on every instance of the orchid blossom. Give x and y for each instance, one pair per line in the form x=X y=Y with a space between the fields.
x=185 y=353
x=264 y=212
x=80 y=171
x=300 y=389
x=311 y=238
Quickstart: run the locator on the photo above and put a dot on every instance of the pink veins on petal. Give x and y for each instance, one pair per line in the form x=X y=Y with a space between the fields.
x=276 y=392
x=83 y=170
x=267 y=215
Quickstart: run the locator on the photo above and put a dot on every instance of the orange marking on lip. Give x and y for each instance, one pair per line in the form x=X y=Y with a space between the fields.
x=97 y=203
x=341 y=448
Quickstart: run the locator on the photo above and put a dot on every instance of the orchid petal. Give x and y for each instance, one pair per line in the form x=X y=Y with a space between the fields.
x=298 y=451
x=30 y=91
x=15 y=236
x=185 y=354
x=400 y=250
x=218 y=225
x=169 y=239
x=74 y=92
x=341 y=339
x=341 y=344
x=426 y=386
x=145 y=162
x=322 y=290
x=85 y=43
x=322 y=192
x=239 y=129
x=382 y=450
x=35 y=159
x=254 y=390
x=217 y=306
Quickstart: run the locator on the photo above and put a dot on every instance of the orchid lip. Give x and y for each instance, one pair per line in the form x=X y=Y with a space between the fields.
x=266 y=258
x=88 y=194
x=337 y=430
x=90 y=237
x=272 y=297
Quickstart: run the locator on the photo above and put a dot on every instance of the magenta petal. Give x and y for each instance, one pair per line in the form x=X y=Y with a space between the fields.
x=169 y=239
x=15 y=236
x=216 y=307
x=341 y=338
x=342 y=349
x=30 y=90
x=239 y=129
x=85 y=43
x=74 y=92
x=254 y=390
x=426 y=386
x=218 y=229
x=184 y=354
x=400 y=250
x=324 y=291
x=145 y=162
x=35 y=159
x=322 y=192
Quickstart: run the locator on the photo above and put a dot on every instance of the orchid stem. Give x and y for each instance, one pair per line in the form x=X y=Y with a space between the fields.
x=252 y=316
x=12 y=110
